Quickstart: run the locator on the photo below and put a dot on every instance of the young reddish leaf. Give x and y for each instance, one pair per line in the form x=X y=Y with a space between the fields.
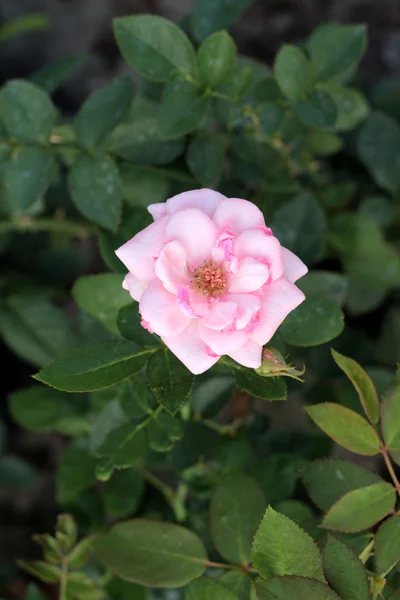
x=363 y=384
x=346 y=427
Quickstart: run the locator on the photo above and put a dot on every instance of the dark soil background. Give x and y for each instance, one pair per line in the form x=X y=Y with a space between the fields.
x=84 y=27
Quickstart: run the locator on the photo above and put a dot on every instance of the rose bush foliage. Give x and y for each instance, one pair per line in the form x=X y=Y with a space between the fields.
x=180 y=486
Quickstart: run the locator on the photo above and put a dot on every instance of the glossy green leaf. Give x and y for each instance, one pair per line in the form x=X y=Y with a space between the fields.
x=362 y=383
x=103 y=111
x=293 y=72
x=346 y=427
x=294 y=588
x=238 y=582
x=205 y=588
x=328 y=480
x=338 y=50
x=27 y=112
x=95 y=366
x=152 y=553
x=361 y=509
x=123 y=493
x=169 y=379
x=101 y=296
x=325 y=283
x=211 y=15
x=281 y=547
x=96 y=189
x=76 y=471
x=143 y=185
x=122 y=448
x=391 y=421
x=157 y=48
x=24 y=178
x=378 y=148
x=216 y=59
x=344 y=571
x=317 y=320
x=237 y=507
x=318 y=110
x=387 y=546
x=205 y=158
x=129 y=326
x=182 y=109
x=163 y=432
x=351 y=105
x=300 y=225
x=43 y=409
x=267 y=388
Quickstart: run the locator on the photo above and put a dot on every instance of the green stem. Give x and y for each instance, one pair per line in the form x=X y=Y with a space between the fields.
x=383 y=450
x=366 y=553
x=72 y=228
x=63 y=579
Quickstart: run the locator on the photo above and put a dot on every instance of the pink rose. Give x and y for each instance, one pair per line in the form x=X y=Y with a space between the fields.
x=211 y=278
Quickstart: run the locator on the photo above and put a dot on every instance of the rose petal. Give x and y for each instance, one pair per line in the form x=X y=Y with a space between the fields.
x=205 y=200
x=221 y=342
x=138 y=254
x=238 y=215
x=258 y=244
x=221 y=315
x=158 y=210
x=280 y=298
x=134 y=286
x=191 y=350
x=248 y=355
x=294 y=268
x=250 y=276
x=195 y=231
x=248 y=307
x=160 y=309
x=170 y=267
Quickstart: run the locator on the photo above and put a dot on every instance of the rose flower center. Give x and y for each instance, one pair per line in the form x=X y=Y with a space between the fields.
x=209 y=279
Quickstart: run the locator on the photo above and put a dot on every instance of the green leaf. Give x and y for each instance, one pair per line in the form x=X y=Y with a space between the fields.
x=345 y=427
x=51 y=76
x=338 y=195
x=34 y=21
x=379 y=208
x=316 y=321
x=216 y=59
x=157 y=48
x=324 y=143
x=24 y=178
x=122 y=448
x=271 y=116
x=238 y=582
x=378 y=148
x=143 y=186
x=387 y=547
x=206 y=588
x=294 y=588
x=293 y=73
x=363 y=384
x=96 y=189
x=391 y=421
x=43 y=409
x=76 y=471
x=66 y=532
x=163 y=432
x=95 y=366
x=300 y=225
x=129 y=326
x=328 y=480
x=123 y=493
x=344 y=571
x=205 y=158
x=318 y=110
x=325 y=283
x=182 y=109
x=211 y=15
x=141 y=143
x=103 y=111
x=109 y=418
x=52 y=550
x=236 y=509
x=296 y=511
x=281 y=547
x=80 y=585
x=361 y=509
x=27 y=112
x=16 y=474
x=152 y=553
x=134 y=398
x=101 y=296
x=278 y=475
x=79 y=555
x=169 y=379
x=267 y=388
x=351 y=105
x=338 y=50
x=42 y=570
